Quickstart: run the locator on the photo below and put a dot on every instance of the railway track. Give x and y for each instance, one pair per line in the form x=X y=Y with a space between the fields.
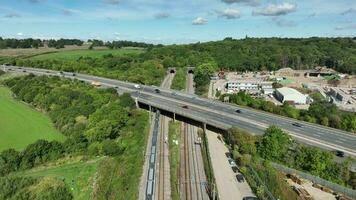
x=163 y=186
x=161 y=161
x=187 y=193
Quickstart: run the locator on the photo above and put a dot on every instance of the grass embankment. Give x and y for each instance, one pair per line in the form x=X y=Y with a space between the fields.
x=21 y=125
x=75 y=54
x=174 y=155
x=119 y=177
x=79 y=176
x=180 y=79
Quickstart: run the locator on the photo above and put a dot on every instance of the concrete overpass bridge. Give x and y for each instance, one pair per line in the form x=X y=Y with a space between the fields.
x=214 y=115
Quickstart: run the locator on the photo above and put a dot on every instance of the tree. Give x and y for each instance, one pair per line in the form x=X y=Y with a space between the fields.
x=274 y=144
x=127 y=101
x=313 y=160
x=244 y=142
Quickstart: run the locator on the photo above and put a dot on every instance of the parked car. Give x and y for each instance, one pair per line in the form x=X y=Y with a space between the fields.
x=231 y=162
x=250 y=198
x=228 y=155
x=240 y=178
x=235 y=169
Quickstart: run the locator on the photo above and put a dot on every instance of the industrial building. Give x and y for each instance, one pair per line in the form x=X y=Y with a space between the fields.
x=251 y=87
x=291 y=95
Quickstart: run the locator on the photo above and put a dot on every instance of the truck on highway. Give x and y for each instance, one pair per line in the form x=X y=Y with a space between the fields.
x=96 y=83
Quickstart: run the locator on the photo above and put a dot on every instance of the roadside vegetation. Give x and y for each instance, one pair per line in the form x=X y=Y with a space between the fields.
x=174 y=157
x=255 y=153
x=96 y=122
x=180 y=79
x=320 y=111
x=21 y=125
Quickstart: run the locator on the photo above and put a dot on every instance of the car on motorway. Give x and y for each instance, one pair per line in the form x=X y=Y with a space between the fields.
x=73 y=74
x=339 y=153
x=116 y=87
x=174 y=93
x=24 y=71
x=185 y=107
x=297 y=124
x=157 y=90
x=250 y=198
x=240 y=178
x=238 y=111
x=137 y=86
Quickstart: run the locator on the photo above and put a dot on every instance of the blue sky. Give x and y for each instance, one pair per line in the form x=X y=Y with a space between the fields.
x=180 y=21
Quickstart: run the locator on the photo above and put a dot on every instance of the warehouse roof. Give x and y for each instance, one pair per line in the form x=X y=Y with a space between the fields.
x=286 y=91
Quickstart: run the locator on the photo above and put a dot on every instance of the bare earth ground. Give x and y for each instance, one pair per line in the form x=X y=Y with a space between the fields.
x=316 y=193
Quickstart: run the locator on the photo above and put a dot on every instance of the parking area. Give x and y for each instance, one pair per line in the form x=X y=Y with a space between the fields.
x=228 y=186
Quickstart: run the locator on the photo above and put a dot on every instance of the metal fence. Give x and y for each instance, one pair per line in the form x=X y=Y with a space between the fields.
x=335 y=187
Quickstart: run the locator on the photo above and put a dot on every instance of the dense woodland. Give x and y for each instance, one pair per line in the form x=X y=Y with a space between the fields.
x=95 y=121
x=36 y=43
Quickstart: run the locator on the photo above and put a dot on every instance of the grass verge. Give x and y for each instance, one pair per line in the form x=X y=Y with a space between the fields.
x=79 y=176
x=174 y=155
x=21 y=125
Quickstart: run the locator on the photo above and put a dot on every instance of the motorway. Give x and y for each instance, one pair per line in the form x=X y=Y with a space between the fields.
x=218 y=114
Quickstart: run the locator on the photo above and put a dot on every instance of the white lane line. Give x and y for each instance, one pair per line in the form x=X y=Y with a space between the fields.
x=317 y=135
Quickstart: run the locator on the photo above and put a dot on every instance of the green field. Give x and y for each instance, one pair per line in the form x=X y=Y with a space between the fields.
x=79 y=176
x=75 y=54
x=21 y=125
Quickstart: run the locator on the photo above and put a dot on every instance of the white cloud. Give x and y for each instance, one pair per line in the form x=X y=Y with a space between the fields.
x=284 y=23
x=276 y=9
x=19 y=34
x=349 y=11
x=161 y=15
x=112 y=2
x=230 y=13
x=12 y=15
x=246 y=2
x=199 y=21
x=347 y=27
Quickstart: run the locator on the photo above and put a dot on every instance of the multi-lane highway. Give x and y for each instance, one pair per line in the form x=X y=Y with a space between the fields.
x=218 y=114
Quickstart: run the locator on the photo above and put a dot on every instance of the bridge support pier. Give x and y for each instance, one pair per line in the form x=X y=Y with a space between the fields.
x=136 y=102
x=204 y=127
x=150 y=112
x=174 y=117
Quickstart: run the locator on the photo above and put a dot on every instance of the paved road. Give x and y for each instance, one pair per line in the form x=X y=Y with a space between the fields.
x=223 y=115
